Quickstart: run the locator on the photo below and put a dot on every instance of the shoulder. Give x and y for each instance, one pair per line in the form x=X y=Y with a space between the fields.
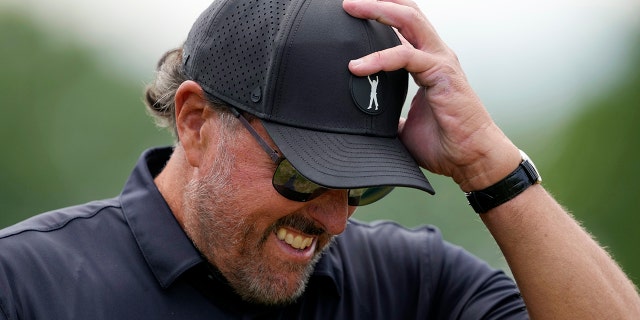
x=55 y=239
x=422 y=244
x=54 y=255
x=445 y=279
x=56 y=234
x=58 y=219
x=384 y=247
x=389 y=238
x=375 y=261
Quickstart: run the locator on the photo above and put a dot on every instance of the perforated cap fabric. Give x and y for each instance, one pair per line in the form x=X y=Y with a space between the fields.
x=286 y=62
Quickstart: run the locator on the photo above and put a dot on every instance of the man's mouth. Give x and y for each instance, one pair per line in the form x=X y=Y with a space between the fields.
x=295 y=240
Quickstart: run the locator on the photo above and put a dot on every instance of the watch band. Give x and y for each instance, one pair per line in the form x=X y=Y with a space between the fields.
x=506 y=189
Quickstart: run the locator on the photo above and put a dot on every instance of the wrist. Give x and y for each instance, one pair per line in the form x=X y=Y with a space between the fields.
x=493 y=167
x=524 y=176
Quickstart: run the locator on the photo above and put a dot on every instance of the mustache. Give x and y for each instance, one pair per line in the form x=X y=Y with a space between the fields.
x=301 y=223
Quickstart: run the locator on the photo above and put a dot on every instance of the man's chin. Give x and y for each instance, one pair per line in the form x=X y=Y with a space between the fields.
x=280 y=275
x=274 y=289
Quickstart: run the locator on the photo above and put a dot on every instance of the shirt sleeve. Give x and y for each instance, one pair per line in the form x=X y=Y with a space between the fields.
x=401 y=273
x=468 y=288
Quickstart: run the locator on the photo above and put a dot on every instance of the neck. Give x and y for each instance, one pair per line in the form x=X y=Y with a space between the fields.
x=171 y=182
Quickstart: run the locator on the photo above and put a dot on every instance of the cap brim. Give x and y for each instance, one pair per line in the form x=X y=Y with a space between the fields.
x=346 y=161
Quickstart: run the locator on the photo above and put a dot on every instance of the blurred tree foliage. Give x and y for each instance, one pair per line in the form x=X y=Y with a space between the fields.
x=72 y=131
x=597 y=175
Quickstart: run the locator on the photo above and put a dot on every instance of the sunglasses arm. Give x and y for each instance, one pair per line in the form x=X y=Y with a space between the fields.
x=265 y=146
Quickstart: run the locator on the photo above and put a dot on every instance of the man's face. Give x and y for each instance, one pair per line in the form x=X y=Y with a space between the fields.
x=265 y=245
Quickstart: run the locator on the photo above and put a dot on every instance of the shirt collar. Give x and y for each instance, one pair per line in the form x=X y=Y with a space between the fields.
x=166 y=248
x=164 y=245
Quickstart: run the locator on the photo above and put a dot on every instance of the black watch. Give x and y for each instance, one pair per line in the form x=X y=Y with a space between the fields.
x=506 y=189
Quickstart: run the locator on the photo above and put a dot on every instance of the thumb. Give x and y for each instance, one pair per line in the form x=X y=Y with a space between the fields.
x=401 y=123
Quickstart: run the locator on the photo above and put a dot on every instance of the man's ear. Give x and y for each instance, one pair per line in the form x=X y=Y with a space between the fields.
x=192 y=111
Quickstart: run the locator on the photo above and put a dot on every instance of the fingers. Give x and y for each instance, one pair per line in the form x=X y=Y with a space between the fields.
x=399 y=57
x=422 y=52
x=404 y=15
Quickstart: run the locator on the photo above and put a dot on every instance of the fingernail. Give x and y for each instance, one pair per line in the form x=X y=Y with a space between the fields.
x=357 y=62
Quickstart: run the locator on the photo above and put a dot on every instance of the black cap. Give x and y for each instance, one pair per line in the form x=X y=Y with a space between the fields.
x=286 y=62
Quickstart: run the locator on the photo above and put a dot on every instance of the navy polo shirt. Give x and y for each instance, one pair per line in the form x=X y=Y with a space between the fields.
x=128 y=258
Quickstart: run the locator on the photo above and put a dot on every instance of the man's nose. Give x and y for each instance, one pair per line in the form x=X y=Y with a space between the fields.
x=331 y=210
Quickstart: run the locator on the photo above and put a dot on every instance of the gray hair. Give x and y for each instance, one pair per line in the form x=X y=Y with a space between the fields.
x=161 y=93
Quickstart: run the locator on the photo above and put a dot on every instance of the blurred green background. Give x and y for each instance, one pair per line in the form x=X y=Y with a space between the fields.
x=73 y=126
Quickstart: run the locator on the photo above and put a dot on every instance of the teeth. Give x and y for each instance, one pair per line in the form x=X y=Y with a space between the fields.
x=297 y=241
x=282 y=233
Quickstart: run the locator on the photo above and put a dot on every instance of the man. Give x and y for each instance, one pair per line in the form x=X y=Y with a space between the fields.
x=247 y=216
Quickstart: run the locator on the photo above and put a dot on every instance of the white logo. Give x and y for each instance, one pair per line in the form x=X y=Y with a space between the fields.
x=369 y=92
x=374 y=92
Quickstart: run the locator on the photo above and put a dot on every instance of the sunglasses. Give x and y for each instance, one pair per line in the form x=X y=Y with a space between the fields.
x=291 y=184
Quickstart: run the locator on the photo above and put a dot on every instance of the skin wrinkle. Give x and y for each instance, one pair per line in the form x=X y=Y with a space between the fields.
x=228 y=237
x=448 y=131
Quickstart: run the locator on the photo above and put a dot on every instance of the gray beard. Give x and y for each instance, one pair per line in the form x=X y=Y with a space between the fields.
x=208 y=224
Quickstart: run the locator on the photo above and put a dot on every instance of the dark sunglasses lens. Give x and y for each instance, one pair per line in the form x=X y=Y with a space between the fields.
x=293 y=185
x=365 y=196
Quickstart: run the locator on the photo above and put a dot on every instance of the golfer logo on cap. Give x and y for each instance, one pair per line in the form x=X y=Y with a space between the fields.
x=374 y=93
x=368 y=92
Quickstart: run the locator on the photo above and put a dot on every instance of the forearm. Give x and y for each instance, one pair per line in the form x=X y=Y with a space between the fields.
x=561 y=271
